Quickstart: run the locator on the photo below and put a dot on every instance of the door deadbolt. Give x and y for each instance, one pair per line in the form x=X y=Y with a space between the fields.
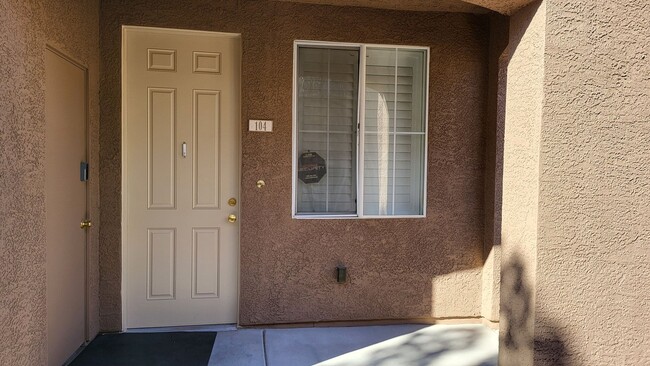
x=232 y=202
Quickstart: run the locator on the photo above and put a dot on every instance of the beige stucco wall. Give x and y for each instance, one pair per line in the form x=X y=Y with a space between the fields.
x=399 y=269
x=593 y=257
x=25 y=28
x=524 y=61
x=491 y=277
x=579 y=78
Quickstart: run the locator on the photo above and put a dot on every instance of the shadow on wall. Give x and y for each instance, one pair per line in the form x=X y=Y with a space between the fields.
x=527 y=336
x=526 y=333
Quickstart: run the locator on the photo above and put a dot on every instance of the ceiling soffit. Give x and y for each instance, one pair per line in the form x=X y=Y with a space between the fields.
x=460 y=6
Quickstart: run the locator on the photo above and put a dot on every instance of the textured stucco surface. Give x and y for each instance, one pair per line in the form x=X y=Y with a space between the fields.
x=593 y=257
x=418 y=268
x=490 y=293
x=524 y=60
x=25 y=28
x=22 y=132
x=580 y=285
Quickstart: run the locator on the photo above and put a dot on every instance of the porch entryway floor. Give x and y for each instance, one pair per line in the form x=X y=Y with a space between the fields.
x=411 y=344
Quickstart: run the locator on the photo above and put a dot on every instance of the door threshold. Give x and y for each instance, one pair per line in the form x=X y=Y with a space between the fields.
x=186 y=328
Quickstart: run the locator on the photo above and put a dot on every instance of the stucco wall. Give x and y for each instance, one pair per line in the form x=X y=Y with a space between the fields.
x=579 y=72
x=419 y=268
x=593 y=258
x=524 y=61
x=495 y=123
x=25 y=28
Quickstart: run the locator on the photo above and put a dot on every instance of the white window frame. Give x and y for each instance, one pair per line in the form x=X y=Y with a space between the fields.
x=360 y=133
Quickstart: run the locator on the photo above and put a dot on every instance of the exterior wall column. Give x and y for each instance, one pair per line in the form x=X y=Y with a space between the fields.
x=524 y=62
x=576 y=170
x=593 y=249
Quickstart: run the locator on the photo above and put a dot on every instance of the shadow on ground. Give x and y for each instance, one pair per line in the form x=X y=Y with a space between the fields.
x=458 y=345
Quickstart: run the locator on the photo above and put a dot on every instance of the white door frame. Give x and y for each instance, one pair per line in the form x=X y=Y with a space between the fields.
x=124 y=210
x=84 y=68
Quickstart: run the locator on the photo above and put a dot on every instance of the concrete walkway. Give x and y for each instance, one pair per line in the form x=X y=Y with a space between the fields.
x=421 y=345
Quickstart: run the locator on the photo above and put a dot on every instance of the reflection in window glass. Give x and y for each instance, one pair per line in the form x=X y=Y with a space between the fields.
x=394 y=132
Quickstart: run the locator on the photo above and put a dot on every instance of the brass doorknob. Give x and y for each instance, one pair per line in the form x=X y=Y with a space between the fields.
x=86 y=224
x=232 y=218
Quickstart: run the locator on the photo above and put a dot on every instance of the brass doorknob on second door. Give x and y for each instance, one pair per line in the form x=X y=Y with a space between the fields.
x=86 y=224
x=232 y=218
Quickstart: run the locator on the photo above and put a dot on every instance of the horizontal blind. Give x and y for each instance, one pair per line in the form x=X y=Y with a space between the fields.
x=394 y=132
x=327 y=119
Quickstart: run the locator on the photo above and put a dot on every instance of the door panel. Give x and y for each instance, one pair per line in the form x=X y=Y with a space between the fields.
x=161 y=263
x=205 y=263
x=181 y=103
x=65 y=205
x=206 y=147
x=161 y=166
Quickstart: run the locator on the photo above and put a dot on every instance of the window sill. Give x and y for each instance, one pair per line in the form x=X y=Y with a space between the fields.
x=347 y=217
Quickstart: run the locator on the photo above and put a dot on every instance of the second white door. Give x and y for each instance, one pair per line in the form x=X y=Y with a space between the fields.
x=181 y=102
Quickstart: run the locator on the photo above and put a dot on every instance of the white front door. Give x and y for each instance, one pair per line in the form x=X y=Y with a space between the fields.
x=181 y=100
x=65 y=206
